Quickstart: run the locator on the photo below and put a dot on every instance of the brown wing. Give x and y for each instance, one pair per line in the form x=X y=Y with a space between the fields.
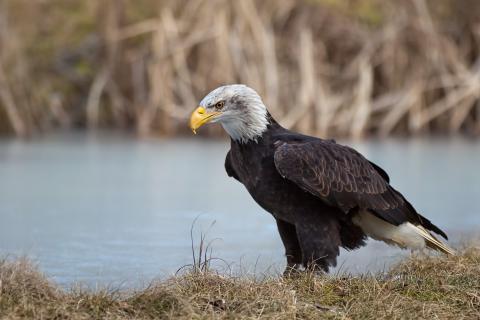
x=343 y=178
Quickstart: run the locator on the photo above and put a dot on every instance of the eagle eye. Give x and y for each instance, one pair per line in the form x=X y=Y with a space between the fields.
x=219 y=105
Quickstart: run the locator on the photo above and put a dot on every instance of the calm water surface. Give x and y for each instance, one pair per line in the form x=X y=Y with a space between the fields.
x=112 y=210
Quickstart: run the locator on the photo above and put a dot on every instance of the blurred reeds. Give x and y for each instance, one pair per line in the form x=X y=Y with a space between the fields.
x=326 y=67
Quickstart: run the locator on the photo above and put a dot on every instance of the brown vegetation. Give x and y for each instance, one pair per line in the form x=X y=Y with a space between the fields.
x=418 y=288
x=327 y=67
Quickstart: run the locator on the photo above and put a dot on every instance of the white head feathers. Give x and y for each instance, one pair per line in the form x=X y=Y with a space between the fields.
x=244 y=116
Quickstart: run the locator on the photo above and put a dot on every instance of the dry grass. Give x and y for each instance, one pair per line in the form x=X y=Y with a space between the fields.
x=418 y=288
x=327 y=67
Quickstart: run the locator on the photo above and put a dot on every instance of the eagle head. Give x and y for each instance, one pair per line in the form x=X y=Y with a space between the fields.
x=238 y=108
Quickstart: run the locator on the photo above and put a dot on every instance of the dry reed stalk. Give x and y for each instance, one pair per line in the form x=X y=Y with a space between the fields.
x=111 y=11
x=57 y=108
x=8 y=102
x=222 y=46
x=172 y=38
x=265 y=42
x=452 y=100
x=399 y=108
x=92 y=107
x=362 y=101
x=306 y=96
x=155 y=75
x=119 y=105
x=7 y=99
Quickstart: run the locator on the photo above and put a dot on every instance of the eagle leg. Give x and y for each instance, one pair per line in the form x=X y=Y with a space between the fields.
x=293 y=252
x=319 y=239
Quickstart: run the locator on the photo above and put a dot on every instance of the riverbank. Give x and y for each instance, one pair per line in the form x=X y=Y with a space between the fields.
x=418 y=287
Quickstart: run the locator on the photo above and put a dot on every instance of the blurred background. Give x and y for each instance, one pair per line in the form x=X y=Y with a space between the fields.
x=101 y=180
x=336 y=67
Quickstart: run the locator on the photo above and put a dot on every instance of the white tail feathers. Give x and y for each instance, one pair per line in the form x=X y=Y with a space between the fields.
x=405 y=235
x=433 y=242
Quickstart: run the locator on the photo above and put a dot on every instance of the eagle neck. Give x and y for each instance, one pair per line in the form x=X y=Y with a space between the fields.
x=263 y=143
x=272 y=125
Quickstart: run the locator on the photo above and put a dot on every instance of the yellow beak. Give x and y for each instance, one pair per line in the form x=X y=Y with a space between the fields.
x=200 y=116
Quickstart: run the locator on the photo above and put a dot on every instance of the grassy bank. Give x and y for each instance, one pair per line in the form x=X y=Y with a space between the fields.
x=419 y=287
x=325 y=67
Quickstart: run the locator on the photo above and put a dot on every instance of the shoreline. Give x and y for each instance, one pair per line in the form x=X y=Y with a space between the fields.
x=417 y=287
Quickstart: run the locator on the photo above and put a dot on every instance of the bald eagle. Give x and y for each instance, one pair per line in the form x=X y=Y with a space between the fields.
x=323 y=195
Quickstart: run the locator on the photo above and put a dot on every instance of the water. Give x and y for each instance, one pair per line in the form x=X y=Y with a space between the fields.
x=112 y=210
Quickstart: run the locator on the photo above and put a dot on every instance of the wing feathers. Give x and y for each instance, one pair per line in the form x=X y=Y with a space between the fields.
x=342 y=177
x=332 y=171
